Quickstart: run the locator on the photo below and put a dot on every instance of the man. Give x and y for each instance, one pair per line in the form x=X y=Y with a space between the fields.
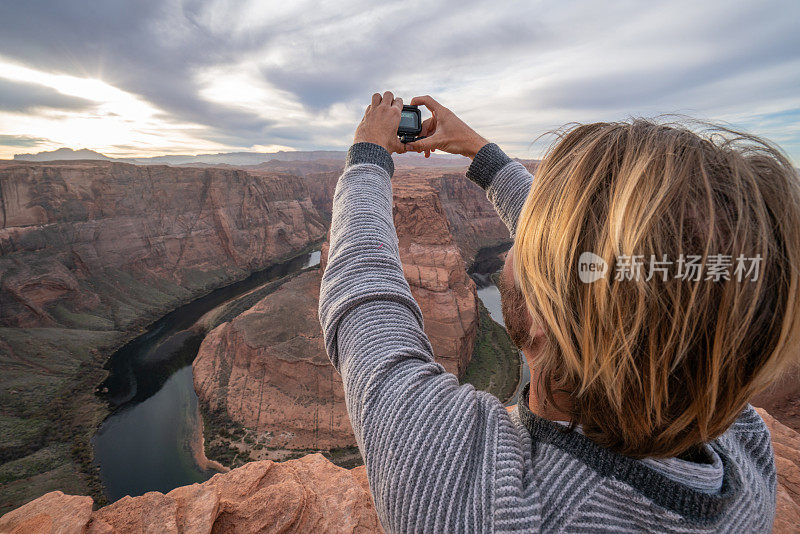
x=653 y=287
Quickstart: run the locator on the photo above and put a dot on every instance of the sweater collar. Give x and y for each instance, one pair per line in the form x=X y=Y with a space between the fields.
x=690 y=503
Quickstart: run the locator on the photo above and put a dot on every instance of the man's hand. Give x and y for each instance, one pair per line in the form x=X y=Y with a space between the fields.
x=380 y=123
x=444 y=131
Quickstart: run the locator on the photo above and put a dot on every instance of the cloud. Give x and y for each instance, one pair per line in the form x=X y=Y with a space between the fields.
x=149 y=48
x=672 y=66
x=23 y=97
x=22 y=141
x=354 y=57
x=300 y=73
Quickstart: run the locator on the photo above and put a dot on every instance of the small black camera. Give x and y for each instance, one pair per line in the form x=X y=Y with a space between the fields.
x=410 y=124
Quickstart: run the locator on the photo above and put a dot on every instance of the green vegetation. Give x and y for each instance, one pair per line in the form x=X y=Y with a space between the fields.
x=20 y=434
x=233 y=445
x=219 y=434
x=347 y=457
x=78 y=320
x=49 y=411
x=43 y=460
x=494 y=366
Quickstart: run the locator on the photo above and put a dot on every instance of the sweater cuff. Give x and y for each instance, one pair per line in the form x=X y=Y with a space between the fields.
x=487 y=162
x=370 y=153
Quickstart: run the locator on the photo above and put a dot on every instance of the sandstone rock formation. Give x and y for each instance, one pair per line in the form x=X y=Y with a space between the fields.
x=52 y=512
x=319 y=177
x=474 y=222
x=95 y=250
x=103 y=244
x=267 y=370
x=305 y=495
x=786 y=443
x=435 y=270
x=782 y=398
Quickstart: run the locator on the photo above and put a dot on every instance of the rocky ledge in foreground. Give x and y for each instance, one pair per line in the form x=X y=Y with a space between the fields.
x=309 y=494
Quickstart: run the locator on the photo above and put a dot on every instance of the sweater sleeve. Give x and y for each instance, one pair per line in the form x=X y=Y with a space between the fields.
x=507 y=182
x=439 y=457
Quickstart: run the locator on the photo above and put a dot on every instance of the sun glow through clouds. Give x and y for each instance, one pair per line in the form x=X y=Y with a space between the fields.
x=116 y=123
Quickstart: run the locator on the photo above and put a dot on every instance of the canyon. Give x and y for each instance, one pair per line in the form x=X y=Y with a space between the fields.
x=267 y=371
x=93 y=253
x=102 y=245
x=472 y=221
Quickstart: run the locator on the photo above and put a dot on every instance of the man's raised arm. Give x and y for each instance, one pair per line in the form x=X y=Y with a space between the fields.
x=434 y=451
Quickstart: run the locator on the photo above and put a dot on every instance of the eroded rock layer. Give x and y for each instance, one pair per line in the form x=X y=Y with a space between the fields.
x=305 y=495
x=473 y=220
x=101 y=245
x=786 y=444
x=435 y=270
x=267 y=370
x=90 y=252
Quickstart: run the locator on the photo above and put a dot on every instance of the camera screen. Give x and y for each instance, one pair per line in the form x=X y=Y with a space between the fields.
x=408 y=119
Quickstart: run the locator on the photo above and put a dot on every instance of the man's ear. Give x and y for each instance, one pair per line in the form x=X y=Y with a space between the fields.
x=537 y=330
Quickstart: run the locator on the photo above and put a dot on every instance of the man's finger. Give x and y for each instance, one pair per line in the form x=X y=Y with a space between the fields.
x=426 y=101
x=376 y=99
x=424 y=144
x=388 y=98
x=428 y=127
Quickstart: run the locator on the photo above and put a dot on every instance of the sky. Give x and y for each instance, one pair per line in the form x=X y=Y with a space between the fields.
x=154 y=77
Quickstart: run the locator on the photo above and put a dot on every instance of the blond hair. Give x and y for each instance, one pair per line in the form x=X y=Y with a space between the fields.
x=656 y=367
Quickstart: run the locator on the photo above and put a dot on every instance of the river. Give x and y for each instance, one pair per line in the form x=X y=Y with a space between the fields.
x=490 y=296
x=150 y=440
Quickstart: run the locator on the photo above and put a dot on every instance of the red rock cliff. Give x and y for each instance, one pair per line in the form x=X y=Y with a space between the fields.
x=103 y=244
x=435 y=270
x=94 y=251
x=267 y=370
x=305 y=495
x=473 y=220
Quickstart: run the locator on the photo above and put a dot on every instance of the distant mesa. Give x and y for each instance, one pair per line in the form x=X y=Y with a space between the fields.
x=62 y=154
x=241 y=159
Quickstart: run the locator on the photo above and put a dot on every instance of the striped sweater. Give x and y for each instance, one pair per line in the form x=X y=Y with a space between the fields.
x=444 y=457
